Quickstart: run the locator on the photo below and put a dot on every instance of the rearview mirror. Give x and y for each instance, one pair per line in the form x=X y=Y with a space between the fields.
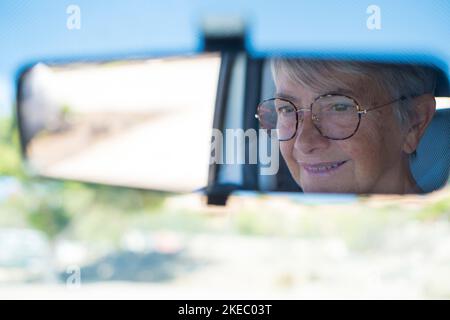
x=128 y=123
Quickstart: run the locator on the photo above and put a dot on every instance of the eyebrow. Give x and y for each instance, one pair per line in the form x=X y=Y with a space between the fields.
x=336 y=91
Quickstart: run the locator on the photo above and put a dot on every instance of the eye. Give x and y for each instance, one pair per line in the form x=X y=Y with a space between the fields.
x=341 y=107
x=286 y=110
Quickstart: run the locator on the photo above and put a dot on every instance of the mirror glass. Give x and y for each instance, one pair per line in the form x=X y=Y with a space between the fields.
x=129 y=123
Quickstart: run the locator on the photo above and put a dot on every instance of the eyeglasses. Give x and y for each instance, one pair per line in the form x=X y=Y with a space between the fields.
x=335 y=116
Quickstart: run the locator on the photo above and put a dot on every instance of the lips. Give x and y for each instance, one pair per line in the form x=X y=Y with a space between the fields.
x=323 y=167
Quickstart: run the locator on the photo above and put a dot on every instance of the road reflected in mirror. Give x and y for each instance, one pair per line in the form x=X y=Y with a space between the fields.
x=131 y=123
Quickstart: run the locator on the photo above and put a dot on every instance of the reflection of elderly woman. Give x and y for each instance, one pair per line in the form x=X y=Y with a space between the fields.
x=349 y=126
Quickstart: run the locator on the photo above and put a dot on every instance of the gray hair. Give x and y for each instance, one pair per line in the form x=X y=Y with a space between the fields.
x=371 y=78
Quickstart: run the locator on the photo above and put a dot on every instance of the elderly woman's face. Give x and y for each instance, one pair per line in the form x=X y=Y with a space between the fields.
x=370 y=161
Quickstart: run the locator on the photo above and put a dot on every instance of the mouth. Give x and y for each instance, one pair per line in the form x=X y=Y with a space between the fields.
x=323 y=168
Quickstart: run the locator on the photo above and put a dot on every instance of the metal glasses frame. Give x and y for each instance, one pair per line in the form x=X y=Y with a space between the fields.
x=360 y=111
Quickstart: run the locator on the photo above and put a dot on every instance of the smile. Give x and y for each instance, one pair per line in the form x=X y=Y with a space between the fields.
x=323 y=168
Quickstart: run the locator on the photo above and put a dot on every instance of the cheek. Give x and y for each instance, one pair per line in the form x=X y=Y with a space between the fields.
x=363 y=154
x=286 y=148
x=369 y=147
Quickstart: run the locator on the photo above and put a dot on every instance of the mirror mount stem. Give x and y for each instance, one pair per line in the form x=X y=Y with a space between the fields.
x=223 y=34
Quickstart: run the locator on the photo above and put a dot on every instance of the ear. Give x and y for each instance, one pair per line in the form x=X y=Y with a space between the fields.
x=425 y=107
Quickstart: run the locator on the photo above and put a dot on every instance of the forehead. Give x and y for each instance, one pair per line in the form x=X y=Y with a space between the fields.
x=297 y=92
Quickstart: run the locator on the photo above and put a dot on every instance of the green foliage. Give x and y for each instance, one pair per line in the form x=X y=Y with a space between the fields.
x=10 y=160
x=438 y=209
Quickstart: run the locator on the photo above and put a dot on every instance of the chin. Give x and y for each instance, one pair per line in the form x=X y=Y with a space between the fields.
x=326 y=189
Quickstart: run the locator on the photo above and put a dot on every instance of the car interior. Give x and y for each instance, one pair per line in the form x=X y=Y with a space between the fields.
x=430 y=166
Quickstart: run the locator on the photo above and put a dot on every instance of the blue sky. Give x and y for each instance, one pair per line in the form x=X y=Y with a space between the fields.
x=36 y=29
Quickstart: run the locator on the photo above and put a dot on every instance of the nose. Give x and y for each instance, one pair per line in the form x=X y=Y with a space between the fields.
x=308 y=138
